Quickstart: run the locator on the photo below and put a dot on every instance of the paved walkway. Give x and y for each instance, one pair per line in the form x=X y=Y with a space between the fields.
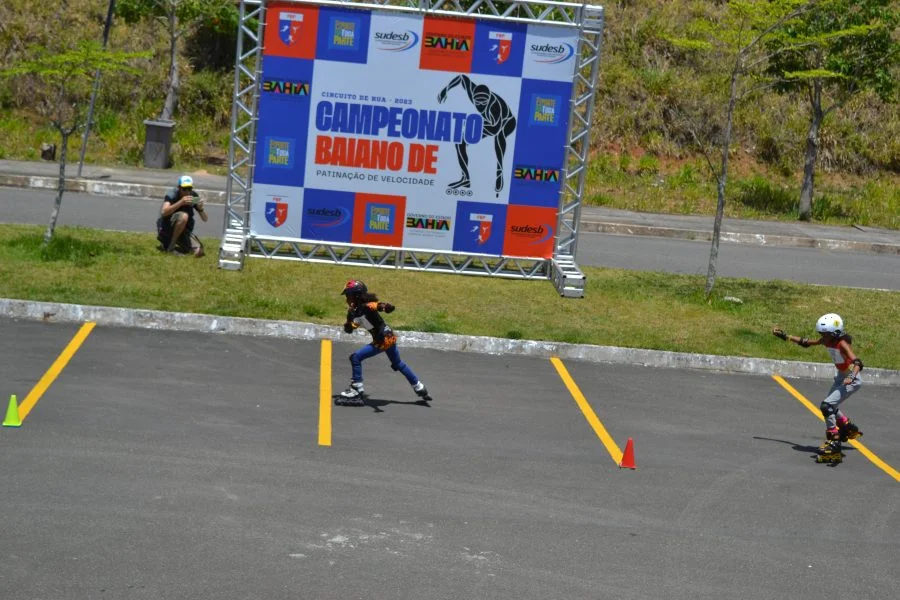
x=152 y=183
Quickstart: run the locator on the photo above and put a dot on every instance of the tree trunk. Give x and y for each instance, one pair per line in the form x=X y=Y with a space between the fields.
x=722 y=178
x=812 y=151
x=60 y=187
x=174 y=80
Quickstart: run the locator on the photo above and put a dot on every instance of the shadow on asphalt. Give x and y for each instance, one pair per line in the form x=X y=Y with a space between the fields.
x=812 y=450
x=377 y=403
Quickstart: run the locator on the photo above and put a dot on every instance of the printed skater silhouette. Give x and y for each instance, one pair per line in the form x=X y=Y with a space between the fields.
x=499 y=123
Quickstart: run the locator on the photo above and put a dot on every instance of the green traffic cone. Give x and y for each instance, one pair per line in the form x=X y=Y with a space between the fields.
x=12 y=414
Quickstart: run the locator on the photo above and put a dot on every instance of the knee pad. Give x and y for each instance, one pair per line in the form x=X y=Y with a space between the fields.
x=827 y=409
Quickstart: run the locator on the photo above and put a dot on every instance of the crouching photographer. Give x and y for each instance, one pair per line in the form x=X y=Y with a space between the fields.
x=175 y=225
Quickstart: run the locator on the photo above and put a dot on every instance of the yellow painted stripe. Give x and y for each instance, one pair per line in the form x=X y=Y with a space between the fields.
x=589 y=414
x=325 y=395
x=855 y=443
x=55 y=369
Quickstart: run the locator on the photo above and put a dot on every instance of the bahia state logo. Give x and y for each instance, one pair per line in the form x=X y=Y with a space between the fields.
x=285 y=87
x=501 y=45
x=343 y=34
x=530 y=173
x=379 y=218
x=551 y=54
x=289 y=27
x=538 y=233
x=280 y=152
x=326 y=218
x=545 y=110
x=480 y=227
x=439 y=41
x=276 y=211
x=428 y=222
x=391 y=41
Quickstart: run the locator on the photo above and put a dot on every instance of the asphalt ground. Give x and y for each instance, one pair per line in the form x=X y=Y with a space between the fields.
x=166 y=464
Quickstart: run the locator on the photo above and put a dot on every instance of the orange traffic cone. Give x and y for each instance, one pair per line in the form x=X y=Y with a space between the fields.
x=628 y=457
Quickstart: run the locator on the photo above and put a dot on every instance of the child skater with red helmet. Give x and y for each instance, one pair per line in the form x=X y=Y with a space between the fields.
x=838 y=427
x=363 y=310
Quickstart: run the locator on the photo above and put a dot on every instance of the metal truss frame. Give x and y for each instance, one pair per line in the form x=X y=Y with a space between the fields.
x=562 y=268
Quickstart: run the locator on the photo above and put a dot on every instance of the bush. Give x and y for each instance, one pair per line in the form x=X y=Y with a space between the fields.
x=648 y=165
x=760 y=194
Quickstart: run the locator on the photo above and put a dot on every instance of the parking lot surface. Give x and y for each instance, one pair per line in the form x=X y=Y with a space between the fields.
x=163 y=464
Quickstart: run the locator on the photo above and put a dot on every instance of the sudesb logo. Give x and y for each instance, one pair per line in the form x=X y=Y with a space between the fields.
x=552 y=53
x=391 y=41
x=527 y=229
x=392 y=36
x=336 y=216
x=541 y=232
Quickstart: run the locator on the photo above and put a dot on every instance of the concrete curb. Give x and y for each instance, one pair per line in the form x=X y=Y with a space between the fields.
x=100 y=187
x=151 y=319
x=757 y=239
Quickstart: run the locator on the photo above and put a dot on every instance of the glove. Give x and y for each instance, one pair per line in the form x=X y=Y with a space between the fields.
x=779 y=333
x=388 y=307
x=348 y=327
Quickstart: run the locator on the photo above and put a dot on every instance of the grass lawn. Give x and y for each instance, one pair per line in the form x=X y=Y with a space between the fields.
x=620 y=308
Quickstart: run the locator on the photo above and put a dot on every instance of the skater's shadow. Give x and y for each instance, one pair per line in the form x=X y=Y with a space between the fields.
x=376 y=403
x=797 y=447
x=813 y=450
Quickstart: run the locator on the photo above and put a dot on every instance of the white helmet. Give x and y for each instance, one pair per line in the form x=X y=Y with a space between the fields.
x=830 y=323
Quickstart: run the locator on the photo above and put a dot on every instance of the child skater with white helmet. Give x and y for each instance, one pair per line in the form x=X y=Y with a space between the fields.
x=838 y=427
x=363 y=310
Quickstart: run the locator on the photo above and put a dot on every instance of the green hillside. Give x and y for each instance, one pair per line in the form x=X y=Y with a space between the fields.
x=644 y=156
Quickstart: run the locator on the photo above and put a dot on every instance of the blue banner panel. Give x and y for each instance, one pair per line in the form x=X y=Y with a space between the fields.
x=327 y=215
x=343 y=35
x=540 y=143
x=499 y=48
x=283 y=120
x=479 y=227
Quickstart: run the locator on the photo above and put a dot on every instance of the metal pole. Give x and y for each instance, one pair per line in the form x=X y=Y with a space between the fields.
x=90 y=118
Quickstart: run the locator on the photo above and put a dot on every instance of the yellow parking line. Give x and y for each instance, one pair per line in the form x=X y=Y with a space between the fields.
x=55 y=369
x=855 y=443
x=589 y=414
x=325 y=395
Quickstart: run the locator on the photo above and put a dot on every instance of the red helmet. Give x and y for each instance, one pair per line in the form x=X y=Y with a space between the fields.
x=354 y=288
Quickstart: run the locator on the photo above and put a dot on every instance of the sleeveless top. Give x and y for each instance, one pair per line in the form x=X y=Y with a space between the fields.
x=841 y=361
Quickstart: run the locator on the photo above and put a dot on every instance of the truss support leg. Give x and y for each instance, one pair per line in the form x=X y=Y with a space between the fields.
x=567 y=277
x=231 y=252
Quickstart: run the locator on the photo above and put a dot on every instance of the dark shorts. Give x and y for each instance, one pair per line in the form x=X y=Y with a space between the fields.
x=187 y=243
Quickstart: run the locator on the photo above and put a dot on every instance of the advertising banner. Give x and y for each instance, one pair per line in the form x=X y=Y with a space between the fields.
x=411 y=131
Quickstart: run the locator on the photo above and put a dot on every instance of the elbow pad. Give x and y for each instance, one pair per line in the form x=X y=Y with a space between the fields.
x=803 y=342
x=858 y=363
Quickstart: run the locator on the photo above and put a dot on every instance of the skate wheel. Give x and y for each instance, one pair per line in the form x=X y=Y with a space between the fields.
x=830 y=458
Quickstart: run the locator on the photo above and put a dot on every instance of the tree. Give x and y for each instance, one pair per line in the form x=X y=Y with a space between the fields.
x=835 y=51
x=738 y=34
x=178 y=18
x=60 y=87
